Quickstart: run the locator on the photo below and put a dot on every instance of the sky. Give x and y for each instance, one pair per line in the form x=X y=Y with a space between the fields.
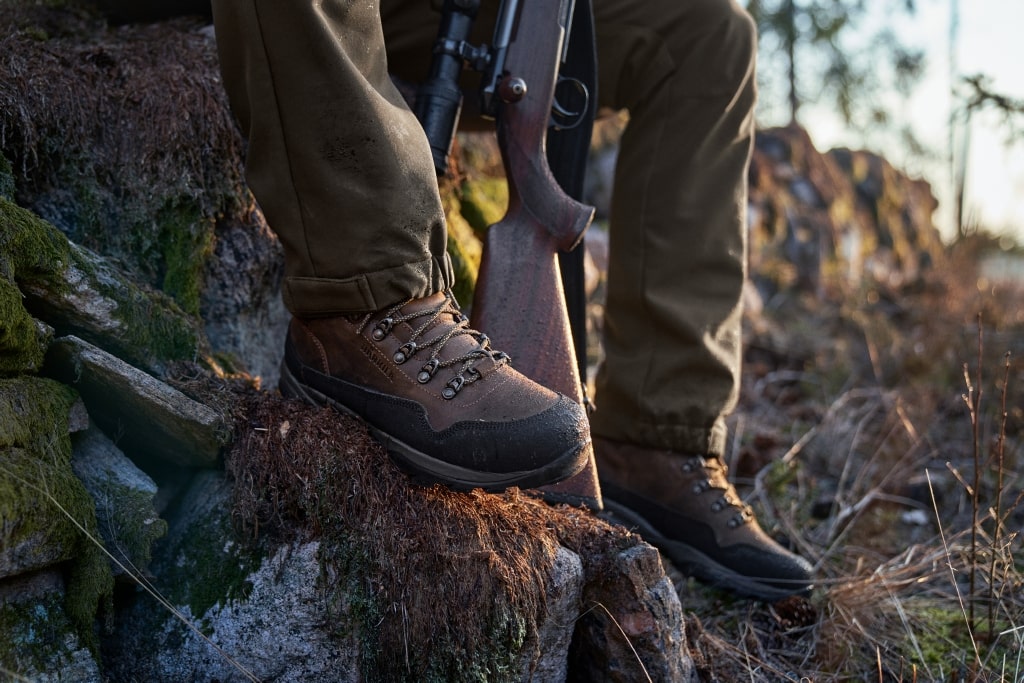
x=989 y=41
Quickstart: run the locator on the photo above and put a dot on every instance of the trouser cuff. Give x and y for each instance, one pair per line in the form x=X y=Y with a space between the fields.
x=697 y=440
x=311 y=297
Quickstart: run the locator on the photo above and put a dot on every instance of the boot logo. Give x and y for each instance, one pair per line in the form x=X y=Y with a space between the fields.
x=371 y=354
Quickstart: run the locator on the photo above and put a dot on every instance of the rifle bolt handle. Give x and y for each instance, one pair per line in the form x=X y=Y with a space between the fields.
x=512 y=89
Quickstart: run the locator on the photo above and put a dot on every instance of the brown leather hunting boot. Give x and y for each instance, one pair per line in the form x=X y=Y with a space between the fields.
x=449 y=408
x=685 y=505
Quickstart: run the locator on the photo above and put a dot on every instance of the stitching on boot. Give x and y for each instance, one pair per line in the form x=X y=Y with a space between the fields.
x=491 y=388
x=325 y=366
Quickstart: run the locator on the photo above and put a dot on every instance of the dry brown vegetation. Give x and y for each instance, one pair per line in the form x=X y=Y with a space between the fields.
x=418 y=570
x=879 y=435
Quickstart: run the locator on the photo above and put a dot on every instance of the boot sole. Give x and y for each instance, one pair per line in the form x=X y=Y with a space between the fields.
x=693 y=562
x=426 y=470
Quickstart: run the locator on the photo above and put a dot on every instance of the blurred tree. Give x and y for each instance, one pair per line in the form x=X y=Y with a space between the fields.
x=974 y=95
x=977 y=94
x=812 y=43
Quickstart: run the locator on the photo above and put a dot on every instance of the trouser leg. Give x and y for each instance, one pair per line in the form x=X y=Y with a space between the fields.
x=337 y=162
x=672 y=338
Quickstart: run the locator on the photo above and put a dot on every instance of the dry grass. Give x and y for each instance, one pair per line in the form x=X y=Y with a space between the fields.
x=867 y=450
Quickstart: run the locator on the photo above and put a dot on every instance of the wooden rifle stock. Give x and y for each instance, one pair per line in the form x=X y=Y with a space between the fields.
x=519 y=300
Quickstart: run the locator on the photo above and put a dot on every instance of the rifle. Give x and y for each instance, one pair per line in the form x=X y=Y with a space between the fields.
x=519 y=299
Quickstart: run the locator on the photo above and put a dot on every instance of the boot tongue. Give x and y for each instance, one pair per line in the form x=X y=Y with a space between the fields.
x=427 y=303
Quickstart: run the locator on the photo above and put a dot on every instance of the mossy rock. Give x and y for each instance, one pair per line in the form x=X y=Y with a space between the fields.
x=38 y=642
x=470 y=209
x=78 y=292
x=464 y=250
x=30 y=251
x=203 y=561
x=483 y=202
x=46 y=515
x=124 y=497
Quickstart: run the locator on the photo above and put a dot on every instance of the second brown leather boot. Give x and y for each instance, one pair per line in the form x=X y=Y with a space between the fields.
x=685 y=505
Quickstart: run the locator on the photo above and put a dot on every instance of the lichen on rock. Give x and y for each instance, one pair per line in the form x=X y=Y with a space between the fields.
x=40 y=643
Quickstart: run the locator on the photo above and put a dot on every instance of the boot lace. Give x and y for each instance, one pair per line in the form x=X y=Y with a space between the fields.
x=715 y=478
x=467 y=373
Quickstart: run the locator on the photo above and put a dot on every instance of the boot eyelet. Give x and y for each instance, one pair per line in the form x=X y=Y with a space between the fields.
x=427 y=371
x=382 y=329
x=404 y=352
x=739 y=520
x=701 y=486
x=453 y=386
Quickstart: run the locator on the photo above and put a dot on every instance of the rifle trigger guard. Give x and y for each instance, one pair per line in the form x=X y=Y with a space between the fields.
x=563 y=118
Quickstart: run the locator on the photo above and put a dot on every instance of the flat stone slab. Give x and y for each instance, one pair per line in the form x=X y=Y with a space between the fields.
x=124 y=495
x=148 y=419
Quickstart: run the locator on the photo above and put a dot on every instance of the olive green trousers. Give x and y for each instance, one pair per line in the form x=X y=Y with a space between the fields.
x=343 y=173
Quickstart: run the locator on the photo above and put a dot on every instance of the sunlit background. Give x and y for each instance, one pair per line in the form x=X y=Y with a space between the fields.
x=959 y=39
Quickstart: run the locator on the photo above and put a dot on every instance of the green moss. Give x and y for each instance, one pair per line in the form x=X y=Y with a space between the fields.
x=211 y=568
x=36 y=478
x=941 y=632
x=153 y=327
x=30 y=249
x=947 y=645
x=464 y=249
x=128 y=515
x=483 y=202
x=183 y=244
x=188 y=243
x=22 y=344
